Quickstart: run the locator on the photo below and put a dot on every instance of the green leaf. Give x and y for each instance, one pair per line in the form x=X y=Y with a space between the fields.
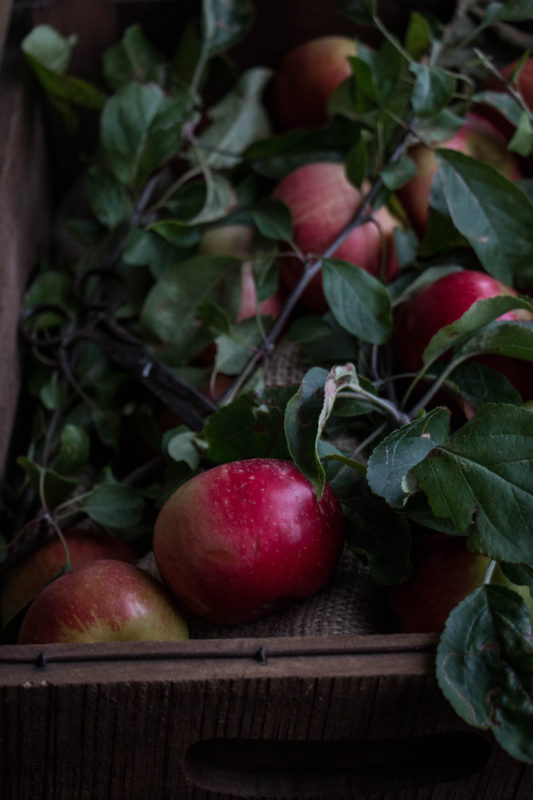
x=509 y=11
x=359 y=302
x=485 y=666
x=140 y=128
x=396 y=173
x=512 y=339
x=48 y=54
x=490 y=211
x=109 y=200
x=302 y=426
x=251 y=426
x=478 y=384
x=383 y=82
x=54 y=394
x=236 y=347
x=381 y=534
x=275 y=156
x=181 y=447
x=171 y=306
x=474 y=320
x=356 y=163
x=194 y=204
x=522 y=140
x=273 y=219
x=502 y=102
x=224 y=23
x=57 y=488
x=439 y=128
x=434 y=88
x=49 y=48
x=519 y=574
x=114 y=504
x=360 y=11
x=401 y=450
x=134 y=58
x=75 y=450
x=418 y=36
x=482 y=475
x=236 y=121
x=49 y=284
x=147 y=248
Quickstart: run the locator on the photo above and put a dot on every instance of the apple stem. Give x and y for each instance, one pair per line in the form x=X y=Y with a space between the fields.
x=489 y=573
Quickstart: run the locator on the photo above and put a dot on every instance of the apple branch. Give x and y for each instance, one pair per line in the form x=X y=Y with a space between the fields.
x=311 y=267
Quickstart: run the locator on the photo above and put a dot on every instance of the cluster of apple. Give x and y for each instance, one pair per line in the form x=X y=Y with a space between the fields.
x=248 y=538
x=233 y=544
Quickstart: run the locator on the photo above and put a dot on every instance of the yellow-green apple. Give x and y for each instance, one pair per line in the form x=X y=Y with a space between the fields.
x=305 y=79
x=441 y=303
x=445 y=571
x=478 y=138
x=245 y=539
x=26 y=579
x=103 y=601
x=322 y=201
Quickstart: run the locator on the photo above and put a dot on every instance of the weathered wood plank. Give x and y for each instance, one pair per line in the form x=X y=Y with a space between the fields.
x=24 y=218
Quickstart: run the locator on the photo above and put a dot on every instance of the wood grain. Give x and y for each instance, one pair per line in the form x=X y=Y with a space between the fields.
x=24 y=218
x=338 y=717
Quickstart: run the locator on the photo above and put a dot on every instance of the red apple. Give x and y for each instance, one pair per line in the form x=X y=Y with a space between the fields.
x=248 y=538
x=306 y=78
x=104 y=601
x=444 y=573
x=25 y=580
x=443 y=302
x=477 y=138
x=322 y=202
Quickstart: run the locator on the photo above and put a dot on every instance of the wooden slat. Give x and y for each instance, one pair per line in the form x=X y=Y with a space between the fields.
x=23 y=222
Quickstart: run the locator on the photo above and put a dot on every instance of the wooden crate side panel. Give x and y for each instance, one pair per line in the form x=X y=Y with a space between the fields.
x=256 y=737
x=24 y=221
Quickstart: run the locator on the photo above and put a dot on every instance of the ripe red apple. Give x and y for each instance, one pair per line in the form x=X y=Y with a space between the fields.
x=305 y=79
x=25 y=580
x=444 y=573
x=441 y=303
x=248 y=538
x=103 y=601
x=478 y=138
x=322 y=202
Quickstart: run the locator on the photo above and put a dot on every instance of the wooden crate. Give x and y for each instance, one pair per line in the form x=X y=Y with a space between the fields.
x=315 y=717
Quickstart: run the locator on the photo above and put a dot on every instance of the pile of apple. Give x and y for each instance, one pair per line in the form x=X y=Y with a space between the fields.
x=248 y=538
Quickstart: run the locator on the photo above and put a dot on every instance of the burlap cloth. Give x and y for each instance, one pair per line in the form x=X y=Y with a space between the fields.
x=351 y=604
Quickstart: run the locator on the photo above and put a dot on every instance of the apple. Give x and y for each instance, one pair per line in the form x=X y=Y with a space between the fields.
x=305 y=79
x=445 y=571
x=322 y=201
x=103 y=601
x=245 y=539
x=478 y=138
x=236 y=241
x=26 y=579
x=441 y=303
